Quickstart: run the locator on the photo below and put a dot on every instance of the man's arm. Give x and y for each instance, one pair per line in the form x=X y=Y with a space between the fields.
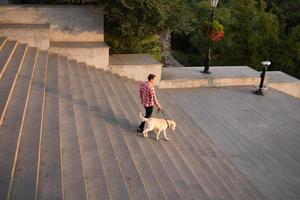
x=153 y=95
x=141 y=93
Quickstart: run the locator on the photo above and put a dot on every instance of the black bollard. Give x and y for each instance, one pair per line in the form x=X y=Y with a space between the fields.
x=262 y=88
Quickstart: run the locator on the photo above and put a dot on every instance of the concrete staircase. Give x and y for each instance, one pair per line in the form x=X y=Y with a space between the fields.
x=68 y=132
x=69 y=30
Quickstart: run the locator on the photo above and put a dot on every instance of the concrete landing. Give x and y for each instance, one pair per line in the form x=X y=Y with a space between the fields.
x=188 y=77
x=135 y=66
x=260 y=134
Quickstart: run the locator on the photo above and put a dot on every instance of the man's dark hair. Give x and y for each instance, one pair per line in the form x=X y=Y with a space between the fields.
x=151 y=76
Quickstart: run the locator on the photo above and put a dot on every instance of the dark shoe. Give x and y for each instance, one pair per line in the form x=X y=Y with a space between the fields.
x=139 y=130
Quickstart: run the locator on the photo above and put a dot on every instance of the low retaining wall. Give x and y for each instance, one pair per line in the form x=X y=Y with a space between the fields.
x=36 y=35
x=92 y=53
x=292 y=89
x=135 y=66
x=67 y=22
x=209 y=82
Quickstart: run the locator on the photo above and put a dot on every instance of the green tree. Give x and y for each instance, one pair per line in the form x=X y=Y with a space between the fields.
x=130 y=23
x=254 y=33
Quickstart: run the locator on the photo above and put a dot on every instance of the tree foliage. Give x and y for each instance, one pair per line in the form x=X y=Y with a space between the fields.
x=255 y=30
x=133 y=26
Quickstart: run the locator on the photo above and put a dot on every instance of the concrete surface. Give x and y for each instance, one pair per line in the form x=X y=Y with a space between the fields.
x=135 y=66
x=36 y=35
x=260 y=134
x=292 y=89
x=285 y=83
x=81 y=134
x=92 y=53
x=67 y=23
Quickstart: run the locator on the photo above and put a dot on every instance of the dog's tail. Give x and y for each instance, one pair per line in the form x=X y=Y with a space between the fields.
x=143 y=118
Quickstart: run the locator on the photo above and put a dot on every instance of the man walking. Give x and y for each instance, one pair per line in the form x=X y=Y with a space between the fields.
x=148 y=99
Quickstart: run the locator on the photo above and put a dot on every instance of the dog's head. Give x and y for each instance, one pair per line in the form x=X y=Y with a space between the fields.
x=172 y=125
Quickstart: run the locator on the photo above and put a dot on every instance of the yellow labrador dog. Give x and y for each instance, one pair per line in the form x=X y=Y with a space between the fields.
x=157 y=125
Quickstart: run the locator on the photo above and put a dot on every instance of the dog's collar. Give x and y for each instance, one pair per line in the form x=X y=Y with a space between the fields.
x=167 y=123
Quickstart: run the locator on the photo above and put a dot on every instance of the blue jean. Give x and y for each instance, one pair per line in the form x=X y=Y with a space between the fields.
x=148 y=114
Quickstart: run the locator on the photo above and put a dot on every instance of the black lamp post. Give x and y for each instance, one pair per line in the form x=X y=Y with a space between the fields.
x=213 y=4
x=261 y=89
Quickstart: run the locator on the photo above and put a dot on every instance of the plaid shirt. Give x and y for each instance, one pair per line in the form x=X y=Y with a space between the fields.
x=147 y=94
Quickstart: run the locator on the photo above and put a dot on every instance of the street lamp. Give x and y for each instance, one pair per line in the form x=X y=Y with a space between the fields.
x=261 y=89
x=213 y=4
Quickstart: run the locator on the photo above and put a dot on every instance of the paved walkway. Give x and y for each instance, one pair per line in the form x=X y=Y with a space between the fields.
x=260 y=134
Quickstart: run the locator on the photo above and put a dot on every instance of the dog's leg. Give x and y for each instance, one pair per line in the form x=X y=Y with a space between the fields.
x=165 y=134
x=157 y=135
x=145 y=132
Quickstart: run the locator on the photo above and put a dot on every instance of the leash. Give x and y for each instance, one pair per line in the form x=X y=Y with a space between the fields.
x=163 y=113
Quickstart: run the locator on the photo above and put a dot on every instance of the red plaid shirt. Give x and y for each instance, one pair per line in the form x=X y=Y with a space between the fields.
x=147 y=94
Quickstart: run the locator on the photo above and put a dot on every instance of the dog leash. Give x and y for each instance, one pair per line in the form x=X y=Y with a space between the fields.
x=165 y=118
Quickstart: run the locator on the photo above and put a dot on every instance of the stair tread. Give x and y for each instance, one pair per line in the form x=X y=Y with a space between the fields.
x=213 y=157
x=72 y=119
x=168 y=165
x=196 y=187
x=114 y=177
x=215 y=174
x=73 y=186
x=24 y=26
x=147 y=176
x=131 y=176
x=9 y=78
x=5 y=53
x=187 y=122
x=10 y=129
x=76 y=44
x=249 y=190
x=2 y=42
x=27 y=164
x=93 y=167
x=200 y=174
x=50 y=177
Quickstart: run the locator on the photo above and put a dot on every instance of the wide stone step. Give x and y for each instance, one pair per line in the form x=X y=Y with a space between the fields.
x=91 y=53
x=132 y=178
x=2 y=41
x=238 y=186
x=24 y=26
x=96 y=186
x=9 y=78
x=196 y=186
x=205 y=148
x=208 y=182
x=149 y=179
x=24 y=184
x=73 y=186
x=206 y=158
x=10 y=131
x=95 y=101
x=167 y=164
x=33 y=34
x=6 y=52
x=50 y=176
x=249 y=190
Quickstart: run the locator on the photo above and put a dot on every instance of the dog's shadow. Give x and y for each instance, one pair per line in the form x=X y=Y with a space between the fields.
x=151 y=136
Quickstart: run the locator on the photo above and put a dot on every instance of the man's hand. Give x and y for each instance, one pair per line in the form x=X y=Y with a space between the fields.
x=159 y=109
